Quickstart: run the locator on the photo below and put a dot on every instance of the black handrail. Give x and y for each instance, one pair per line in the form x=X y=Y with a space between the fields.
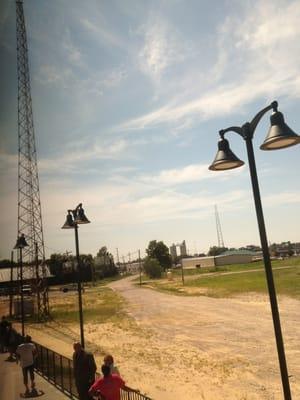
x=58 y=370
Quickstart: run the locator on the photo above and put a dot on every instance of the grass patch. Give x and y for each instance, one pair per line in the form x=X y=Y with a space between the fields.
x=287 y=282
x=100 y=304
x=218 y=284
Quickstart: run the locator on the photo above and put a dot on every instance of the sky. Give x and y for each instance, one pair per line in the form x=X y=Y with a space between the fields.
x=128 y=98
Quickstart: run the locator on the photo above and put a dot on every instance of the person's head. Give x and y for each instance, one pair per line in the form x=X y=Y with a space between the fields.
x=27 y=339
x=108 y=360
x=105 y=370
x=77 y=347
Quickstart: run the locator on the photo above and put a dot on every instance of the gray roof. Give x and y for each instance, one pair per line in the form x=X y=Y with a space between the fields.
x=239 y=252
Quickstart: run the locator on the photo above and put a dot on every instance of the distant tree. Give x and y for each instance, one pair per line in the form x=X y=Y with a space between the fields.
x=64 y=267
x=56 y=262
x=152 y=268
x=273 y=250
x=215 y=250
x=104 y=265
x=160 y=252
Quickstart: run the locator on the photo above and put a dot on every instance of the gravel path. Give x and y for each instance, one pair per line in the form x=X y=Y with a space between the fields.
x=240 y=328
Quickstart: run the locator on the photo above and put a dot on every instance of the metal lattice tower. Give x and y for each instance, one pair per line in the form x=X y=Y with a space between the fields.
x=29 y=204
x=219 y=230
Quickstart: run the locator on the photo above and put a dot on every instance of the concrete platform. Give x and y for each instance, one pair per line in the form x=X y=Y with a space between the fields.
x=11 y=383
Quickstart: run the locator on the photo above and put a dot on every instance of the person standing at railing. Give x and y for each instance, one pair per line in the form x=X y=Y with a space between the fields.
x=84 y=369
x=108 y=387
x=26 y=353
x=109 y=360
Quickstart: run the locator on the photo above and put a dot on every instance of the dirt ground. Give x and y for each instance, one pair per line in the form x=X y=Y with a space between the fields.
x=188 y=348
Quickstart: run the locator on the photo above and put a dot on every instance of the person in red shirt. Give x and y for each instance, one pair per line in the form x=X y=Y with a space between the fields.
x=109 y=386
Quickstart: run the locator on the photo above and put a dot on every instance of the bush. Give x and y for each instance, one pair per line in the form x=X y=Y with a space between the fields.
x=152 y=268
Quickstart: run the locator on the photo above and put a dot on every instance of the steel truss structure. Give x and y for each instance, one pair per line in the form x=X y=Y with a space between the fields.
x=219 y=229
x=29 y=204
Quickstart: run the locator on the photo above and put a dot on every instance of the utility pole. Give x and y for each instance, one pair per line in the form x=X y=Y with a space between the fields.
x=118 y=260
x=140 y=267
x=129 y=260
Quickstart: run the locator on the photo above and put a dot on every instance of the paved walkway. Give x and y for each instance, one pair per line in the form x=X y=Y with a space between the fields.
x=11 y=383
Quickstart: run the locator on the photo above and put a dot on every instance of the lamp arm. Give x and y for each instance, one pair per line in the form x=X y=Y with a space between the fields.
x=236 y=129
x=260 y=114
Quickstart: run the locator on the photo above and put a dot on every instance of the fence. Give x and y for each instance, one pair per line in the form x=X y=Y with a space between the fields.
x=58 y=370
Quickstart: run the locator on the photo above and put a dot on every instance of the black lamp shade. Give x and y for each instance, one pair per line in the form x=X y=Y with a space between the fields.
x=69 y=224
x=21 y=242
x=225 y=158
x=81 y=217
x=279 y=135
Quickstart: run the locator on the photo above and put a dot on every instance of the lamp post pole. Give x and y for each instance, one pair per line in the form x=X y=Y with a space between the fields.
x=268 y=270
x=21 y=243
x=11 y=283
x=75 y=217
x=22 y=297
x=279 y=136
x=79 y=289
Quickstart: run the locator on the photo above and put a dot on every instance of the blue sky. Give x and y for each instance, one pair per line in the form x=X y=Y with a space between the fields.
x=128 y=98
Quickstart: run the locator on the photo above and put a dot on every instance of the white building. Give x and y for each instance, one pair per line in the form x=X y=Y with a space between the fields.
x=227 y=258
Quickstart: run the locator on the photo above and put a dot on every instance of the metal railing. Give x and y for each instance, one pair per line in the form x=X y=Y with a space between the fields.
x=58 y=370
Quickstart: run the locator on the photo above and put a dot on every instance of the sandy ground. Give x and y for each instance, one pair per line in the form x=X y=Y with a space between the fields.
x=188 y=348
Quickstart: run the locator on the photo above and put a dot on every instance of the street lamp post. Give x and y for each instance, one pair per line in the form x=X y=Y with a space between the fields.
x=279 y=137
x=20 y=244
x=11 y=284
x=75 y=217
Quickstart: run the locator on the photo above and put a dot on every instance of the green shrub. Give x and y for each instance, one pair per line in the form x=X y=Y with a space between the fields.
x=152 y=268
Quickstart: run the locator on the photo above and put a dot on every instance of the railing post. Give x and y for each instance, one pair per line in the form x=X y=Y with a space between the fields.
x=42 y=360
x=54 y=365
x=47 y=356
x=61 y=373
x=70 y=377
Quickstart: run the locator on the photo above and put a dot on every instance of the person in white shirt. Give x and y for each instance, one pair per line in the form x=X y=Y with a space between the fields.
x=26 y=353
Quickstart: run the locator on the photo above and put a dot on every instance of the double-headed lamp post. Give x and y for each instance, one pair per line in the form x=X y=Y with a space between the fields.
x=20 y=244
x=74 y=218
x=278 y=137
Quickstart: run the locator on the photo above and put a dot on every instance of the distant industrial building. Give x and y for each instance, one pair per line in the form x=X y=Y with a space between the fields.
x=182 y=250
x=229 y=257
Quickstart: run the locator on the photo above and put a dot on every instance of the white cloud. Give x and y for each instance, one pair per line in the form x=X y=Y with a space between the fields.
x=102 y=34
x=257 y=56
x=70 y=161
x=271 y=23
x=71 y=51
x=282 y=199
x=162 y=47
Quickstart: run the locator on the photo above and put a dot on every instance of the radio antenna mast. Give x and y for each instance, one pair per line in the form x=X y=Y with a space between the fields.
x=29 y=204
x=219 y=230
